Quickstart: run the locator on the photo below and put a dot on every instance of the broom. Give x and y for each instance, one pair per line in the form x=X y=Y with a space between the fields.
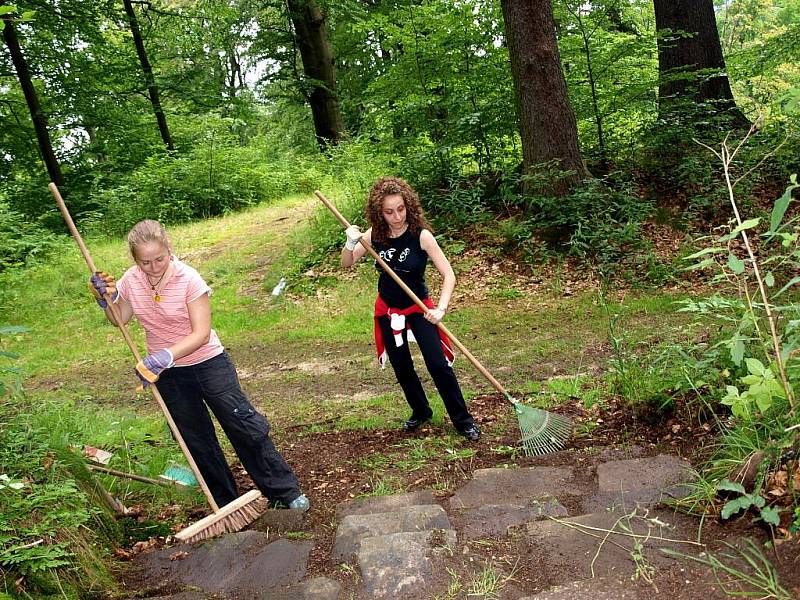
x=234 y=515
x=542 y=431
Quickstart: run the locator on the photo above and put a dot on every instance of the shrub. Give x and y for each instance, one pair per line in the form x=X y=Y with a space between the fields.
x=21 y=240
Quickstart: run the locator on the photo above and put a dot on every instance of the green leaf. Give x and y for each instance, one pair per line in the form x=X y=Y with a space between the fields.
x=778 y=211
x=764 y=402
x=730 y=486
x=706 y=262
x=737 y=351
x=770 y=515
x=793 y=281
x=755 y=366
x=769 y=279
x=749 y=224
x=734 y=506
x=735 y=264
x=705 y=251
x=4 y=10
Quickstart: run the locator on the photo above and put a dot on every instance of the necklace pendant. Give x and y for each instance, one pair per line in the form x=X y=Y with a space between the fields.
x=157 y=297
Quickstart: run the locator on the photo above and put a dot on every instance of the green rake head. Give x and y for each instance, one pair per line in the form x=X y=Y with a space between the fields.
x=543 y=432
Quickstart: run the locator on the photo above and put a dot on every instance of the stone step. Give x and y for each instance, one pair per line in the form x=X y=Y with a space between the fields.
x=355 y=527
x=492 y=520
x=516 y=486
x=379 y=504
x=645 y=481
x=399 y=565
x=242 y=563
x=599 y=544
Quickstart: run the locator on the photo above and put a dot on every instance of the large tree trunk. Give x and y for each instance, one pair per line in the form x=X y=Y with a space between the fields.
x=690 y=62
x=318 y=65
x=546 y=121
x=152 y=88
x=37 y=116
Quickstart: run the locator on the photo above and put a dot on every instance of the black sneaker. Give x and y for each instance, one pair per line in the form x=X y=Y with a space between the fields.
x=472 y=433
x=413 y=424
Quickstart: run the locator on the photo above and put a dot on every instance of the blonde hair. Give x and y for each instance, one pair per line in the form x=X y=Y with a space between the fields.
x=147 y=231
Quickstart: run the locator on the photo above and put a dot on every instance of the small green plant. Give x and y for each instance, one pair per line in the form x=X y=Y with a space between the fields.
x=763 y=389
x=10 y=375
x=489 y=582
x=745 y=502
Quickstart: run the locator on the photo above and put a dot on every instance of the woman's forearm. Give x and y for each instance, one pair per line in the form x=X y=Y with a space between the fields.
x=448 y=285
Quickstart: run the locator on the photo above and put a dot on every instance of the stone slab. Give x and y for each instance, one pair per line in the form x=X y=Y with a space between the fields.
x=624 y=484
x=399 y=565
x=379 y=504
x=353 y=528
x=492 y=520
x=657 y=472
x=515 y=486
x=595 y=589
x=237 y=563
x=567 y=547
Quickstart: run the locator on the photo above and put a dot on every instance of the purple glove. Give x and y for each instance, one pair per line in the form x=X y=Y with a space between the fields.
x=101 y=284
x=150 y=367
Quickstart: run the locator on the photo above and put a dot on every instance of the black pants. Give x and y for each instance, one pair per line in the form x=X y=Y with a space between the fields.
x=430 y=345
x=188 y=393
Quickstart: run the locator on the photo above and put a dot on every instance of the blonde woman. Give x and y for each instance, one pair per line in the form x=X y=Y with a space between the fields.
x=188 y=364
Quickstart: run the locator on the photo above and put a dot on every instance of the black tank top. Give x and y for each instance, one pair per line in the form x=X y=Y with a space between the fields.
x=405 y=256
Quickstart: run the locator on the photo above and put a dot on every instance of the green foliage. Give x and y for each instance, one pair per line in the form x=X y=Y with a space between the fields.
x=215 y=178
x=22 y=240
x=49 y=526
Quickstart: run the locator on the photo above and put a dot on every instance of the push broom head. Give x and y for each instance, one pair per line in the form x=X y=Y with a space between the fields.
x=543 y=432
x=234 y=516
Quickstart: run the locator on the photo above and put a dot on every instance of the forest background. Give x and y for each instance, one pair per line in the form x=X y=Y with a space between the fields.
x=554 y=131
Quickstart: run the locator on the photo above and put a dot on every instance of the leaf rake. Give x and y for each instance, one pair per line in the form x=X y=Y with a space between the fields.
x=542 y=431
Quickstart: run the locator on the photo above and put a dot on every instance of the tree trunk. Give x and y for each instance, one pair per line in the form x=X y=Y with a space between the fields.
x=152 y=88
x=690 y=62
x=319 y=67
x=546 y=121
x=37 y=116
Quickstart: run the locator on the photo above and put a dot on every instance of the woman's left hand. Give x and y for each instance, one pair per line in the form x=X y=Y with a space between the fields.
x=434 y=315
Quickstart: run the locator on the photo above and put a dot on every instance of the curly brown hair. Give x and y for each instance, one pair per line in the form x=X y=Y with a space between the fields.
x=386 y=186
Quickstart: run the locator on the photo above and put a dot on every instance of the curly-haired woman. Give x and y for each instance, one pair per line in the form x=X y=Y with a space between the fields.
x=401 y=236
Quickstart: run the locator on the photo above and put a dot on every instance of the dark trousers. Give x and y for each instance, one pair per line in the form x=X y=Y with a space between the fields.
x=430 y=345
x=188 y=393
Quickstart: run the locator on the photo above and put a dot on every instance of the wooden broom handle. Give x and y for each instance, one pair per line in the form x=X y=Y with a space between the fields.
x=484 y=371
x=125 y=334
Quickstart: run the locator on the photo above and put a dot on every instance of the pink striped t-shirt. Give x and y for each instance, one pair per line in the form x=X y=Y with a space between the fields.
x=167 y=321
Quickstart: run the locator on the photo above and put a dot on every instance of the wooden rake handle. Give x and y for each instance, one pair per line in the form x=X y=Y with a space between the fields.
x=477 y=364
x=125 y=334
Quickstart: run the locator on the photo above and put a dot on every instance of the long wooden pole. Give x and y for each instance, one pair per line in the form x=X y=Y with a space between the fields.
x=125 y=334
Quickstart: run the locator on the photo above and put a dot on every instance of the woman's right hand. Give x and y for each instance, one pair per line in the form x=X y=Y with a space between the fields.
x=102 y=284
x=353 y=235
